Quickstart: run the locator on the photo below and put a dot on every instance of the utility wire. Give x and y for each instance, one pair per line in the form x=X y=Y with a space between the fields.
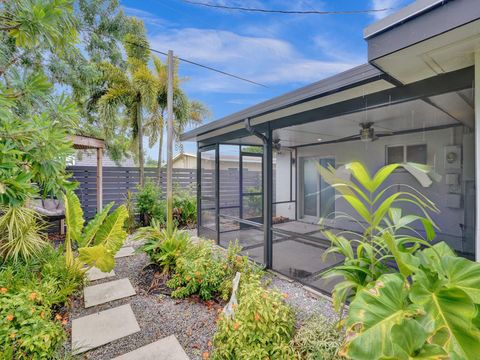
x=199 y=65
x=192 y=63
x=302 y=12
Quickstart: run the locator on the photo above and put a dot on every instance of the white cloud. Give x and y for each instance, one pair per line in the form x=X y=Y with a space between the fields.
x=385 y=4
x=147 y=17
x=266 y=60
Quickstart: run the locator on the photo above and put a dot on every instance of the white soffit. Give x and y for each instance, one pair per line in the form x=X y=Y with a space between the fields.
x=444 y=53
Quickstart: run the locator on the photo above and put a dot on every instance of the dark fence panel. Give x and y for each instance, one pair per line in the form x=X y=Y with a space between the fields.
x=117 y=181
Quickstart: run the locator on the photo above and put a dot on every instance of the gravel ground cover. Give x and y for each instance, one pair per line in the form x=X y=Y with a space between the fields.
x=193 y=322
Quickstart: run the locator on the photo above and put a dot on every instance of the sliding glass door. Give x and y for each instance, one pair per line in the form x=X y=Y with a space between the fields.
x=318 y=198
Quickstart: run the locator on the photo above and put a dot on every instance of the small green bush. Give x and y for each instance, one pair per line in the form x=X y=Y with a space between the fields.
x=204 y=270
x=28 y=292
x=149 y=204
x=162 y=247
x=27 y=330
x=318 y=339
x=47 y=274
x=185 y=208
x=262 y=328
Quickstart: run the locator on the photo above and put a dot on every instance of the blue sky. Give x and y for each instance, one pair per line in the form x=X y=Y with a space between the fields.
x=283 y=52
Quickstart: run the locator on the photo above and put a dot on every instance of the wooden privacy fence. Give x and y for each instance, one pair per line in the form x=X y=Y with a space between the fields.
x=117 y=181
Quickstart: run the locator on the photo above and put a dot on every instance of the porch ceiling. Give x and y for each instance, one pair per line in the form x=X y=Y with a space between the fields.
x=451 y=109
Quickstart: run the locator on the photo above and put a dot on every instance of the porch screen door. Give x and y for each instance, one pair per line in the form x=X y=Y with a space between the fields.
x=207 y=221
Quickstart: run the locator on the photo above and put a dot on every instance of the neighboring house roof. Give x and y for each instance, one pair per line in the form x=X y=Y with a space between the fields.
x=88 y=158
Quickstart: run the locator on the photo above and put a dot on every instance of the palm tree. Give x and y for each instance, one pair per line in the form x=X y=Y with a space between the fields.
x=130 y=93
x=185 y=112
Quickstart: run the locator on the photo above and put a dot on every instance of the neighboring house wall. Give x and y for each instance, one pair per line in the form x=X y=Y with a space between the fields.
x=189 y=161
x=373 y=155
x=89 y=158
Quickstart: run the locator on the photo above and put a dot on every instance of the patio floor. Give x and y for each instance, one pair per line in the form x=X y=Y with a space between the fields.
x=298 y=250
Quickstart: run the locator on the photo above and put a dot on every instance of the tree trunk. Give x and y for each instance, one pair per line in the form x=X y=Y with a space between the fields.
x=140 y=143
x=159 y=166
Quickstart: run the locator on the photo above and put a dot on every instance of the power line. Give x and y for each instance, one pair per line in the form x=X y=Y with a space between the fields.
x=302 y=12
x=199 y=65
x=192 y=62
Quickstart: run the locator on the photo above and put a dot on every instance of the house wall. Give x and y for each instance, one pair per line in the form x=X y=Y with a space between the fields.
x=373 y=155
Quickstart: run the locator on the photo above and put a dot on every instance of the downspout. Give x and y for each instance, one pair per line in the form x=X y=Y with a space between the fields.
x=267 y=190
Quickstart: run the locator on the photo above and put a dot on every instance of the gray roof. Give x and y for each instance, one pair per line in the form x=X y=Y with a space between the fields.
x=408 y=12
x=347 y=79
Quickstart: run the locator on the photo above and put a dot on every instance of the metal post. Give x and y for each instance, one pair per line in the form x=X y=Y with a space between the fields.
x=217 y=191
x=199 y=190
x=477 y=153
x=99 y=179
x=268 y=198
x=170 y=143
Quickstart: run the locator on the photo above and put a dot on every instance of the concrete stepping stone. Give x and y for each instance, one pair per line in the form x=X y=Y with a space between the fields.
x=98 y=329
x=109 y=291
x=166 y=349
x=125 y=251
x=96 y=274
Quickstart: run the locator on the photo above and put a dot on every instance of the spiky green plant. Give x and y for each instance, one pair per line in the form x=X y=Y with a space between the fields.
x=20 y=233
x=387 y=234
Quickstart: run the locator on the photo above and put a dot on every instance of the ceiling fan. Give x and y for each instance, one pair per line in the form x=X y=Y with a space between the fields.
x=367 y=133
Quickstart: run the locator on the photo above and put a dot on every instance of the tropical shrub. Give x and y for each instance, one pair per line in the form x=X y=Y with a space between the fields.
x=318 y=339
x=29 y=290
x=27 y=330
x=99 y=240
x=426 y=305
x=184 y=208
x=162 y=247
x=386 y=230
x=46 y=273
x=204 y=270
x=429 y=311
x=131 y=222
x=262 y=326
x=20 y=233
x=149 y=204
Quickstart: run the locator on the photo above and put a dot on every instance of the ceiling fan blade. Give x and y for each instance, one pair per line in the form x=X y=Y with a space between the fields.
x=351 y=137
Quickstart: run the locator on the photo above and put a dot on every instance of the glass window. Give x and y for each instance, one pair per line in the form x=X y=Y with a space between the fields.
x=395 y=154
x=417 y=153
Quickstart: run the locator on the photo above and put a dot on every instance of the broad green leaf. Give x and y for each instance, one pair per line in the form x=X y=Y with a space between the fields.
x=464 y=274
x=409 y=343
x=73 y=215
x=372 y=314
x=97 y=256
x=111 y=233
x=93 y=225
x=448 y=309
x=431 y=257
